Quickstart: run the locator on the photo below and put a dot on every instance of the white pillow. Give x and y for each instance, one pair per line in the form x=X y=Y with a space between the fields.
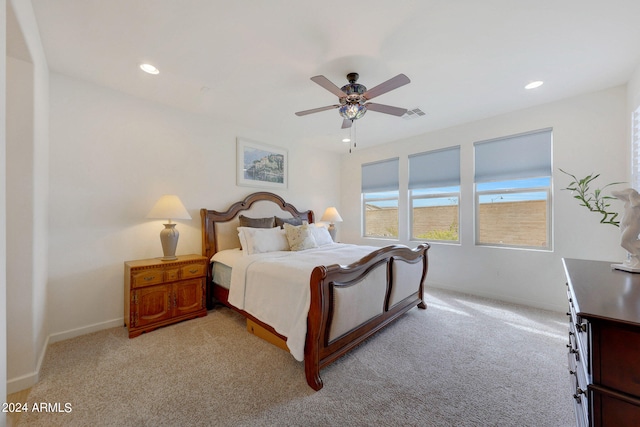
x=261 y=240
x=321 y=235
x=300 y=237
x=243 y=241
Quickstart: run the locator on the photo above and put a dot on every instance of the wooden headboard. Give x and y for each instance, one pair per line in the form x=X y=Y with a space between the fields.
x=219 y=228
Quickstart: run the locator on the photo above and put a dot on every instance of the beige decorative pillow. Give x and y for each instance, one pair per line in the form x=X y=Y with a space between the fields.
x=299 y=237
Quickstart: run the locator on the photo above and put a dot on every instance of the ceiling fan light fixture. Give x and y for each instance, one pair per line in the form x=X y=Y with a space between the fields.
x=352 y=111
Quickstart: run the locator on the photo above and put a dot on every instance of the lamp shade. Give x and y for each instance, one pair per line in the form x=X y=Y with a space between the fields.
x=168 y=207
x=331 y=215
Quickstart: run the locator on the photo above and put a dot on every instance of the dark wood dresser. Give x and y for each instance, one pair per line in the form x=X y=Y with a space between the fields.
x=604 y=343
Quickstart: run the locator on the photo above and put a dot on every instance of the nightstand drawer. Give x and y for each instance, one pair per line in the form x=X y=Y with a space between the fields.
x=193 y=270
x=147 y=277
x=171 y=274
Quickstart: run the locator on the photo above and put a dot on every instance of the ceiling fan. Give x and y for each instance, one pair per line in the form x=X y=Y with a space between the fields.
x=354 y=98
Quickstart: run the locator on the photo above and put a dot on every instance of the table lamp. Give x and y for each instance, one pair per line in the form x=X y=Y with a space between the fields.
x=331 y=216
x=169 y=207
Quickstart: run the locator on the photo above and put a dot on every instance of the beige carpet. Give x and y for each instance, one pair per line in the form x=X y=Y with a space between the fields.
x=464 y=361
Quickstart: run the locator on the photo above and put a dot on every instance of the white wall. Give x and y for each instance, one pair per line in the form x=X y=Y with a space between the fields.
x=3 y=216
x=589 y=135
x=111 y=157
x=20 y=232
x=27 y=116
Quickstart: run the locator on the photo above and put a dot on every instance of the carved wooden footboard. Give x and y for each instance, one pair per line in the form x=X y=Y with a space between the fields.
x=391 y=282
x=348 y=303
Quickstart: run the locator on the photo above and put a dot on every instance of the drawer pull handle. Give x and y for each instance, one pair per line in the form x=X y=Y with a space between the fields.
x=193 y=271
x=149 y=278
x=576 y=352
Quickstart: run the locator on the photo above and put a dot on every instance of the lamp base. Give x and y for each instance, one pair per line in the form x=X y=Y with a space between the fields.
x=169 y=239
x=332 y=231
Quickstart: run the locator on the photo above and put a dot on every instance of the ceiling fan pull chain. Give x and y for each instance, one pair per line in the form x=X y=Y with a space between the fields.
x=354 y=135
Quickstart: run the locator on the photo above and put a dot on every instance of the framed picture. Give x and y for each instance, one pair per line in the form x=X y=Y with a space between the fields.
x=261 y=165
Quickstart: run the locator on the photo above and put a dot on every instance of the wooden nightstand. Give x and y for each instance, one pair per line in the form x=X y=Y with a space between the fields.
x=159 y=293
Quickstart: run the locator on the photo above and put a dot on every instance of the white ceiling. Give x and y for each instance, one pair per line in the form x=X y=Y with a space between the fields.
x=249 y=61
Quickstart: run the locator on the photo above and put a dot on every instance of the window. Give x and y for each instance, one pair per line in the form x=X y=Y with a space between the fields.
x=635 y=150
x=513 y=191
x=434 y=195
x=380 y=198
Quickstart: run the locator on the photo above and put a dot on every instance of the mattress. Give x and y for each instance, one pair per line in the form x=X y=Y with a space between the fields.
x=221 y=266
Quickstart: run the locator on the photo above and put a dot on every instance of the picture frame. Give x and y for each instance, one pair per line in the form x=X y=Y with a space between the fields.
x=261 y=165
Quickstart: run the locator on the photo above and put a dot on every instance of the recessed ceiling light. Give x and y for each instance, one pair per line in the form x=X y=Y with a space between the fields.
x=148 y=68
x=534 y=85
x=346 y=140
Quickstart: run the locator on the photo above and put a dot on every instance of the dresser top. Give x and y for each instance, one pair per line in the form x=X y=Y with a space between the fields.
x=160 y=262
x=601 y=292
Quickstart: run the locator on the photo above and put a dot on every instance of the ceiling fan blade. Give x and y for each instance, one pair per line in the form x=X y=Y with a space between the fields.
x=387 y=109
x=316 y=110
x=326 y=83
x=346 y=123
x=391 y=84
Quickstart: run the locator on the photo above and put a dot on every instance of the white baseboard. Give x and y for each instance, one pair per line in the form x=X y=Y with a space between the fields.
x=23 y=382
x=72 y=333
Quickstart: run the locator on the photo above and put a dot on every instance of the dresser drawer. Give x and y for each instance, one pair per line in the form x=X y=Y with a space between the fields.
x=147 y=277
x=193 y=270
x=617 y=361
x=611 y=408
x=171 y=274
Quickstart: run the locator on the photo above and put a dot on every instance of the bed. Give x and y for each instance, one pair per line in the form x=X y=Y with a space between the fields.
x=339 y=295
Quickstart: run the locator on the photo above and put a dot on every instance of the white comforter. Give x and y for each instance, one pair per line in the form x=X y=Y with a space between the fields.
x=274 y=286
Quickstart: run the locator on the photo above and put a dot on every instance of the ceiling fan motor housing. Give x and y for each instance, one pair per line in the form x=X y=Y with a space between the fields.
x=353 y=89
x=353 y=106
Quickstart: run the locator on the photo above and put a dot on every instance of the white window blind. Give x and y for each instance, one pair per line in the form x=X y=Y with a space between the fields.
x=439 y=168
x=520 y=156
x=381 y=176
x=635 y=155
